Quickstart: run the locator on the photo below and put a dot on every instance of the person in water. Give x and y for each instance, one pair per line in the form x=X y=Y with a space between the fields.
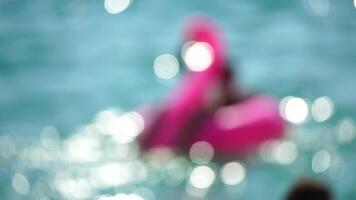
x=309 y=189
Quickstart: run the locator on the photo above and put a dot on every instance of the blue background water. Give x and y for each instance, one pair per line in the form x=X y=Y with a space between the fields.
x=63 y=61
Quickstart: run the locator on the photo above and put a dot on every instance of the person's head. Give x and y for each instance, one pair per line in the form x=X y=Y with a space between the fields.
x=309 y=189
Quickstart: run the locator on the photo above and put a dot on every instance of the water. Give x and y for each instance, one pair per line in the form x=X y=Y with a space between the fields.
x=62 y=62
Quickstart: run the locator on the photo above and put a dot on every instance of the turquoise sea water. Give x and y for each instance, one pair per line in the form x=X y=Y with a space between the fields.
x=62 y=62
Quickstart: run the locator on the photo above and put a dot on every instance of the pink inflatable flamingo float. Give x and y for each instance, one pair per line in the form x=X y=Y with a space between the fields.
x=198 y=109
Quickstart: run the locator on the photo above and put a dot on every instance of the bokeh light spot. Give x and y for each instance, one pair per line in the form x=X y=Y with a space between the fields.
x=346 y=131
x=286 y=152
x=321 y=161
x=202 y=177
x=109 y=175
x=322 y=109
x=198 y=56
x=73 y=188
x=320 y=7
x=126 y=127
x=116 y=6
x=82 y=149
x=294 y=109
x=20 y=184
x=201 y=152
x=232 y=173
x=166 y=66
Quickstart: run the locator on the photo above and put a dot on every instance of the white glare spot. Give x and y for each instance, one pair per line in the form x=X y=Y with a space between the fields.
x=346 y=131
x=322 y=109
x=20 y=184
x=294 y=109
x=198 y=56
x=103 y=119
x=109 y=175
x=320 y=7
x=50 y=138
x=286 y=152
x=321 y=161
x=202 y=177
x=126 y=127
x=201 y=152
x=73 y=188
x=116 y=6
x=232 y=173
x=166 y=66
x=355 y=3
x=121 y=196
x=82 y=149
